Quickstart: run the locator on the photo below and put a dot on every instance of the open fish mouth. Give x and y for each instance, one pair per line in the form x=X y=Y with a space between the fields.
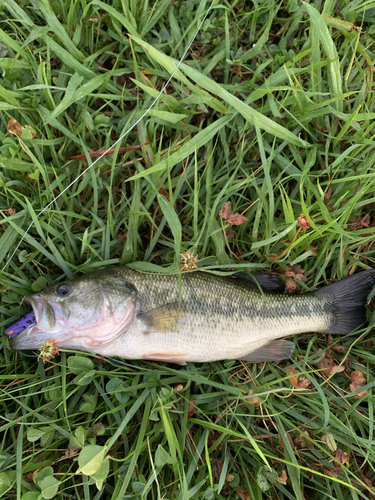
x=44 y=313
x=34 y=329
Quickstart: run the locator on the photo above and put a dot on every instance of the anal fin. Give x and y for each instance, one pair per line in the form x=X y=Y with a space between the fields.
x=276 y=350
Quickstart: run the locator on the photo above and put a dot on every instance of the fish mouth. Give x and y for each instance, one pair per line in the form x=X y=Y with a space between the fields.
x=37 y=334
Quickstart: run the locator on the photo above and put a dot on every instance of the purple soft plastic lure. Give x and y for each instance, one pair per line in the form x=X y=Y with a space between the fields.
x=21 y=325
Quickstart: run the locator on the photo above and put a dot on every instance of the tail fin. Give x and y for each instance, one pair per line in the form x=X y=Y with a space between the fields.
x=349 y=297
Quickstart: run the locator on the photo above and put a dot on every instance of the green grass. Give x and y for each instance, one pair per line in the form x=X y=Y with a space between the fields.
x=272 y=110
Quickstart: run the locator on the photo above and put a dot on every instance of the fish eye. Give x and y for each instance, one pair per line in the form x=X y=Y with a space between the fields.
x=63 y=290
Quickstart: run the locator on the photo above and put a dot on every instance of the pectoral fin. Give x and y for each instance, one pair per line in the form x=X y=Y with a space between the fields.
x=276 y=350
x=164 y=318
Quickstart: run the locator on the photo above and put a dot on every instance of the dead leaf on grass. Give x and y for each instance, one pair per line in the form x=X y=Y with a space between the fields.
x=339 y=348
x=253 y=401
x=366 y=481
x=330 y=471
x=342 y=457
x=8 y=211
x=360 y=222
x=313 y=250
x=227 y=214
x=291 y=286
x=301 y=441
x=282 y=479
x=226 y=211
x=243 y=494
x=358 y=380
x=192 y=410
x=71 y=451
x=296 y=272
x=14 y=127
x=328 y=364
x=298 y=381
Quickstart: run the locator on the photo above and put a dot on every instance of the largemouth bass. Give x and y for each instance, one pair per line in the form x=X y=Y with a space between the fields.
x=197 y=316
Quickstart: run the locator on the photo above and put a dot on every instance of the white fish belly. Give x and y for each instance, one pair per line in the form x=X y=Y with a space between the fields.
x=201 y=343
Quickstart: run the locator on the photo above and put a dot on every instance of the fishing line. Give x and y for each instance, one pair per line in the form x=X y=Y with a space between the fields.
x=115 y=143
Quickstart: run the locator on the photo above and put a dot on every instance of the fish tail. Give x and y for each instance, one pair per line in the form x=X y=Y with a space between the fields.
x=348 y=298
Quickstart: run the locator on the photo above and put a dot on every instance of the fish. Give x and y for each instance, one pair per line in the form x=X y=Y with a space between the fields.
x=189 y=317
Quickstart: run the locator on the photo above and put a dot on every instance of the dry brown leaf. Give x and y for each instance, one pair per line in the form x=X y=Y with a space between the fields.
x=298 y=381
x=226 y=489
x=291 y=286
x=192 y=410
x=282 y=479
x=328 y=364
x=295 y=271
x=227 y=214
x=71 y=451
x=360 y=222
x=330 y=471
x=358 y=381
x=8 y=211
x=313 y=250
x=14 y=127
x=366 y=481
x=337 y=369
x=342 y=457
x=339 y=348
x=243 y=494
x=229 y=478
x=359 y=394
x=303 y=382
x=237 y=219
x=302 y=441
x=253 y=401
x=292 y=374
x=226 y=211
x=358 y=378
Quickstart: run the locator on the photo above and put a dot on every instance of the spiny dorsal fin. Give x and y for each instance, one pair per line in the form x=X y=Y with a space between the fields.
x=164 y=318
x=276 y=350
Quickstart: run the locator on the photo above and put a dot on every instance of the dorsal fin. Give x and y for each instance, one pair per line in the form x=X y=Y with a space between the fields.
x=269 y=282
